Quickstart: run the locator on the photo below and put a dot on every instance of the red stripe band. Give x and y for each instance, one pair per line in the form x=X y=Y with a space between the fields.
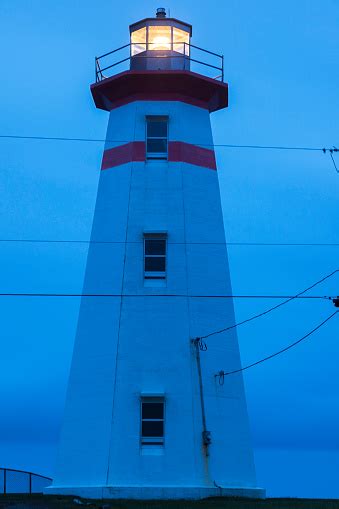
x=178 y=151
x=133 y=151
x=192 y=154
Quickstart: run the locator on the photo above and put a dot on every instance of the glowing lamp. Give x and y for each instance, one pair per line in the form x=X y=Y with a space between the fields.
x=160 y=38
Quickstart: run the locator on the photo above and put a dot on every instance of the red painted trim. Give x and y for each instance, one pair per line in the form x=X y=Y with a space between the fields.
x=173 y=85
x=178 y=151
x=191 y=154
x=122 y=154
x=160 y=97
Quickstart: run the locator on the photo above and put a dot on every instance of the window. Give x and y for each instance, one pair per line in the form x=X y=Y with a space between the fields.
x=138 y=41
x=155 y=257
x=152 y=421
x=181 y=41
x=159 y=38
x=156 y=137
x=163 y=38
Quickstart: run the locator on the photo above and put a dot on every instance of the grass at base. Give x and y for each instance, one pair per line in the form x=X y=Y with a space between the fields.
x=24 y=501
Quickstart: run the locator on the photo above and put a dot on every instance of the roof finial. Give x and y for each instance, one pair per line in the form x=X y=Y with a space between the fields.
x=161 y=12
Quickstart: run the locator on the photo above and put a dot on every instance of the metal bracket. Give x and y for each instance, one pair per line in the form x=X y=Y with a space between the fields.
x=206 y=438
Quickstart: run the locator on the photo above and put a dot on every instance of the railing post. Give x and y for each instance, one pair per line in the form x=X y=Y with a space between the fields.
x=30 y=483
x=5 y=472
x=222 y=66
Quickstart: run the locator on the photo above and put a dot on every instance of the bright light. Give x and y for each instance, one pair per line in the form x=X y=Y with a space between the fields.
x=138 y=41
x=159 y=38
x=181 y=40
x=161 y=42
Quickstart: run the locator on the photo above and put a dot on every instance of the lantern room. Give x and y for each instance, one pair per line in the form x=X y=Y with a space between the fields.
x=160 y=43
x=159 y=62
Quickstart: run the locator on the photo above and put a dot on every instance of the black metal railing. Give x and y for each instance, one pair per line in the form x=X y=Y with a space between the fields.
x=20 y=481
x=209 y=63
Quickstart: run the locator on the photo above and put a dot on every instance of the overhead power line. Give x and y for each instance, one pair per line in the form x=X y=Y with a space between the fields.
x=331 y=151
x=333 y=161
x=183 y=295
x=292 y=244
x=222 y=373
x=325 y=150
x=227 y=145
x=259 y=244
x=289 y=299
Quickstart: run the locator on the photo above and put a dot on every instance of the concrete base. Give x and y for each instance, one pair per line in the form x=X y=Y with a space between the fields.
x=154 y=492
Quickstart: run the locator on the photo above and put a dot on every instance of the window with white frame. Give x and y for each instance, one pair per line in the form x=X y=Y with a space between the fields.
x=155 y=251
x=156 y=137
x=152 y=420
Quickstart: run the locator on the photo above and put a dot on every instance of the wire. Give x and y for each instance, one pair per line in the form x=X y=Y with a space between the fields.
x=225 y=373
x=330 y=151
x=31 y=294
x=333 y=161
x=102 y=140
x=298 y=295
x=260 y=244
x=293 y=244
x=59 y=138
x=268 y=147
x=199 y=343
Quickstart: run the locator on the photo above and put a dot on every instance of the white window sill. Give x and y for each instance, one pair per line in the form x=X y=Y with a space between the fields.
x=155 y=283
x=152 y=450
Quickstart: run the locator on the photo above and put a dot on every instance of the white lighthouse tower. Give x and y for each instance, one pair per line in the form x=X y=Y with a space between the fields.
x=145 y=415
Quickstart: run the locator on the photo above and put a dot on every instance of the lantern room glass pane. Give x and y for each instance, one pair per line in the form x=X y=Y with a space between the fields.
x=181 y=40
x=138 y=41
x=159 y=38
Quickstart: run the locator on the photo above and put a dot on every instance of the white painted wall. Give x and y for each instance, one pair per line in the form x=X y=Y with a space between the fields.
x=140 y=342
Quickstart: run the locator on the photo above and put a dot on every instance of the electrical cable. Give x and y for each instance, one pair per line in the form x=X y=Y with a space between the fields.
x=333 y=161
x=260 y=244
x=102 y=140
x=32 y=294
x=330 y=151
x=222 y=374
x=289 y=299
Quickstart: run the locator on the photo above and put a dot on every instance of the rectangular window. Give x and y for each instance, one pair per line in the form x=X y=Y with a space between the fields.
x=156 y=137
x=155 y=257
x=138 y=41
x=159 y=38
x=152 y=421
x=181 y=41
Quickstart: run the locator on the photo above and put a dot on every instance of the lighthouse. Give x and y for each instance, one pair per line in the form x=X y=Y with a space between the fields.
x=146 y=417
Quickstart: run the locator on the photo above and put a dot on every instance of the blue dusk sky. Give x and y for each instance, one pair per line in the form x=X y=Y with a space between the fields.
x=281 y=63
